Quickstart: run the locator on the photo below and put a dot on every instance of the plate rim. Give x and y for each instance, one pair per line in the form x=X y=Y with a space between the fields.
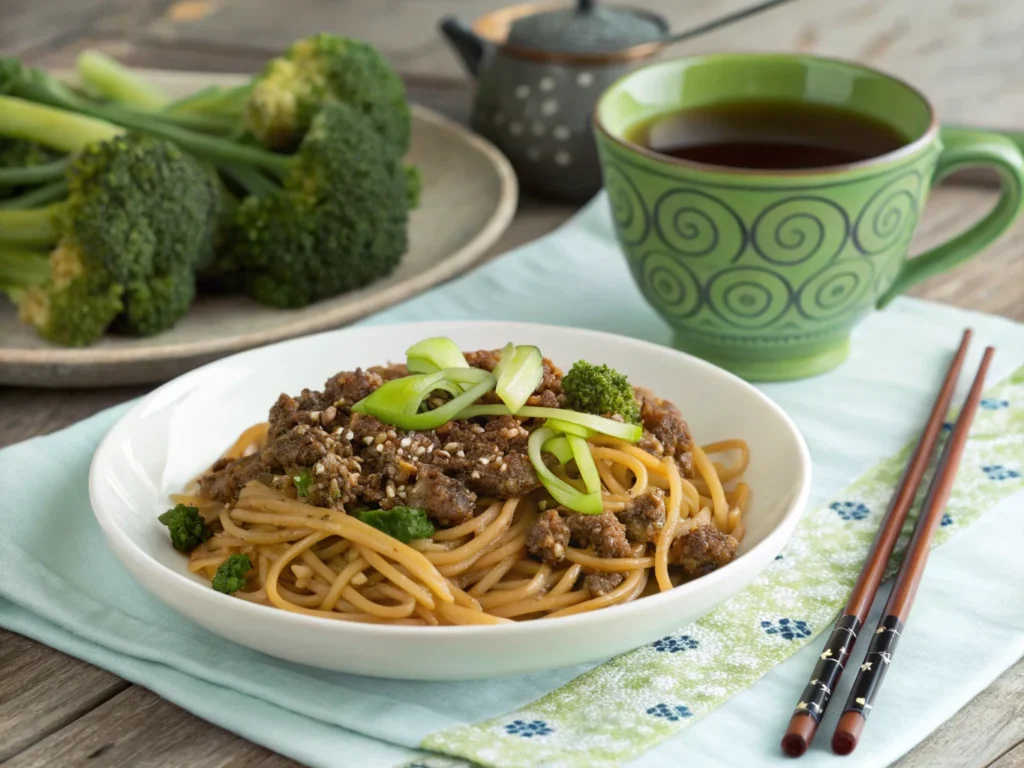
x=124 y=547
x=450 y=266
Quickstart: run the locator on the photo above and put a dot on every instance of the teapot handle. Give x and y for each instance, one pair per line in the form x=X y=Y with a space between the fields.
x=472 y=48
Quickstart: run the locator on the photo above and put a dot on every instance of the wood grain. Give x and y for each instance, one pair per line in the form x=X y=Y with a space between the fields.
x=42 y=690
x=138 y=728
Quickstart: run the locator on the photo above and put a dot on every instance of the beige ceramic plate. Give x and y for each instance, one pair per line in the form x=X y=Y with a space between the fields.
x=469 y=198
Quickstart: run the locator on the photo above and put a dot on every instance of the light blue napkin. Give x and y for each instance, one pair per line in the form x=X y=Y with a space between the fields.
x=68 y=591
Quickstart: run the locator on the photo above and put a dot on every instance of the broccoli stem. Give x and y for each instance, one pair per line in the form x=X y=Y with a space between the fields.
x=55 y=128
x=251 y=180
x=34 y=174
x=37 y=227
x=119 y=83
x=215 y=100
x=41 y=195
x=21 y=269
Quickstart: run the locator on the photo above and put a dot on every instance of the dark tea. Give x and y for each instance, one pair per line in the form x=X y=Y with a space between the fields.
x=769 y=135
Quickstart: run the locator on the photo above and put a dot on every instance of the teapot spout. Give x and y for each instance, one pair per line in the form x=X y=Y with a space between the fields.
x=471 y=47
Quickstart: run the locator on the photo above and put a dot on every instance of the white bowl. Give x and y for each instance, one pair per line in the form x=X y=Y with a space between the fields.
x=181 y=427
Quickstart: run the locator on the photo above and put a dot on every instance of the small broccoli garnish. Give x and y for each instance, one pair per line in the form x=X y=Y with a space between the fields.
x=402 y=523
x=601 y=390
x=187 y=527
x=327 y=69
x=230 y=576
x=302 y=481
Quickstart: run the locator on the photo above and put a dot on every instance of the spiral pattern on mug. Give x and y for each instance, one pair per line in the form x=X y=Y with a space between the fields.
x=632 y=221
x=797 y=229
x=668 y=284
x=889 y=216
x=749 y=297
x=836 y=289
x=694 y=223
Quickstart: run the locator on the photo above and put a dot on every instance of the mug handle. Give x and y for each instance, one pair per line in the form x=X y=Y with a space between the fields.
x=964 y=149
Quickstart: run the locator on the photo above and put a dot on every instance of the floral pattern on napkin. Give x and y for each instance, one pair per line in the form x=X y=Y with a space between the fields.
x=673 y=682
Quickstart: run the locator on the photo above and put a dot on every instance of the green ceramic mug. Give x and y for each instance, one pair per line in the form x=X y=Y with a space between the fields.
x=766 y=272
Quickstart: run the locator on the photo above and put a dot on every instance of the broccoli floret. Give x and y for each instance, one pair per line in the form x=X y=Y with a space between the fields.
x=327 y=69
x=339 y=223
x=137 y=224
x=402 y=523
x=187 y=527
x=230 y=576
x=601 y=390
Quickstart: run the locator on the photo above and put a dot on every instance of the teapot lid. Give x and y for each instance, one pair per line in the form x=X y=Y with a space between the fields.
x=585 y=29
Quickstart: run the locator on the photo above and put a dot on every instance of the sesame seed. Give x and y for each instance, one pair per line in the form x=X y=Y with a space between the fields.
x=475 y=475
x=484 y=460
x=319 y=468
x=314 y=415
x=348 y=435
x=380 y=447
x=442 y=454
x=337 y=431
x=542 y=505
x=430 y=448
x=401 y=487
x=401 y=494
x=390 y=490
x=405 y=442
x=368 y=439
x=392 y=434
x=461 y=454
x=478 y=429
x=401 y=452
x=504 y=468
x=421 y=450
x=451 y=446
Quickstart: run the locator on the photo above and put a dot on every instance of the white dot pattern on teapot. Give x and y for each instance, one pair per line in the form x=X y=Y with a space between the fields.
x=547 y=84
x=561 y=132
x=548 y=107
x=537 y=128
x=562 y=157
x=522 y=91
x=585 y=79
x=515 y=128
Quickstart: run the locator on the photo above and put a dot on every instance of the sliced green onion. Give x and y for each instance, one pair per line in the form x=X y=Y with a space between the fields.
x=559 y=448
x=561 y=491
x=398 y=401
x=566 y=428
x=585 y=463
x=519 y=372
x=433 y=355
x=631 y=433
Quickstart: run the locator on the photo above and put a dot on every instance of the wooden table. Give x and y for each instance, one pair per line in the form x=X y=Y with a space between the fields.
x=58 y=711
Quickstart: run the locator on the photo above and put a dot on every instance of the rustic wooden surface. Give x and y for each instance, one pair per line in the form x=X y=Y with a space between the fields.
x=58 y=711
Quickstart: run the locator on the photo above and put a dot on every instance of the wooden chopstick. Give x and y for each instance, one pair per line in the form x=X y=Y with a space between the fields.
x=818 y=691
x=904 y=590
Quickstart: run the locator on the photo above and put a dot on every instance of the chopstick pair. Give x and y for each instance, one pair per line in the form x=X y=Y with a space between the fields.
x=829 y=668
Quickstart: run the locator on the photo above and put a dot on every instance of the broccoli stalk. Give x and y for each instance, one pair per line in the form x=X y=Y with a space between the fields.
x=137 y=223
x=601 y=390
x=118 y=83
x=21 y=270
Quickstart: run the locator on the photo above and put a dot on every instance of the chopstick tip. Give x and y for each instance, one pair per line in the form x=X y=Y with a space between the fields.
x=847 y=733
x=793 y=744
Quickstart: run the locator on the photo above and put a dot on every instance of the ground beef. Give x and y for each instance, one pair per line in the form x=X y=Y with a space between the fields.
x=548 y=538
x=669 y=434
x=301 y=446
x=644 y=517
x=702 y=550
x=390 y=371
x=227 y=477
x=603 y=532
x=491 y=460
x=335 y=481
x=602 y=583
x=349 y=387
x=448 y=502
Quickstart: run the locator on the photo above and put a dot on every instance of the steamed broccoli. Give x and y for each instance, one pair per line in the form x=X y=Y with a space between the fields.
x=402 y=523
x=601 y=390
x=338 y=223
x=326 y=69
x=187 y=527
x=230 y=576
x=136 y=225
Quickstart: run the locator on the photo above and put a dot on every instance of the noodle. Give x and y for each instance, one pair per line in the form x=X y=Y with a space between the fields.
x=323 y=562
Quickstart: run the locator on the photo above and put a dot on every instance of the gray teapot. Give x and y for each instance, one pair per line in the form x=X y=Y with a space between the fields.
x=539 y=72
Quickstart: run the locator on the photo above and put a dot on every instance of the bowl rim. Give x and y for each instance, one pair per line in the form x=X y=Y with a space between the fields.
x=128 y=550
